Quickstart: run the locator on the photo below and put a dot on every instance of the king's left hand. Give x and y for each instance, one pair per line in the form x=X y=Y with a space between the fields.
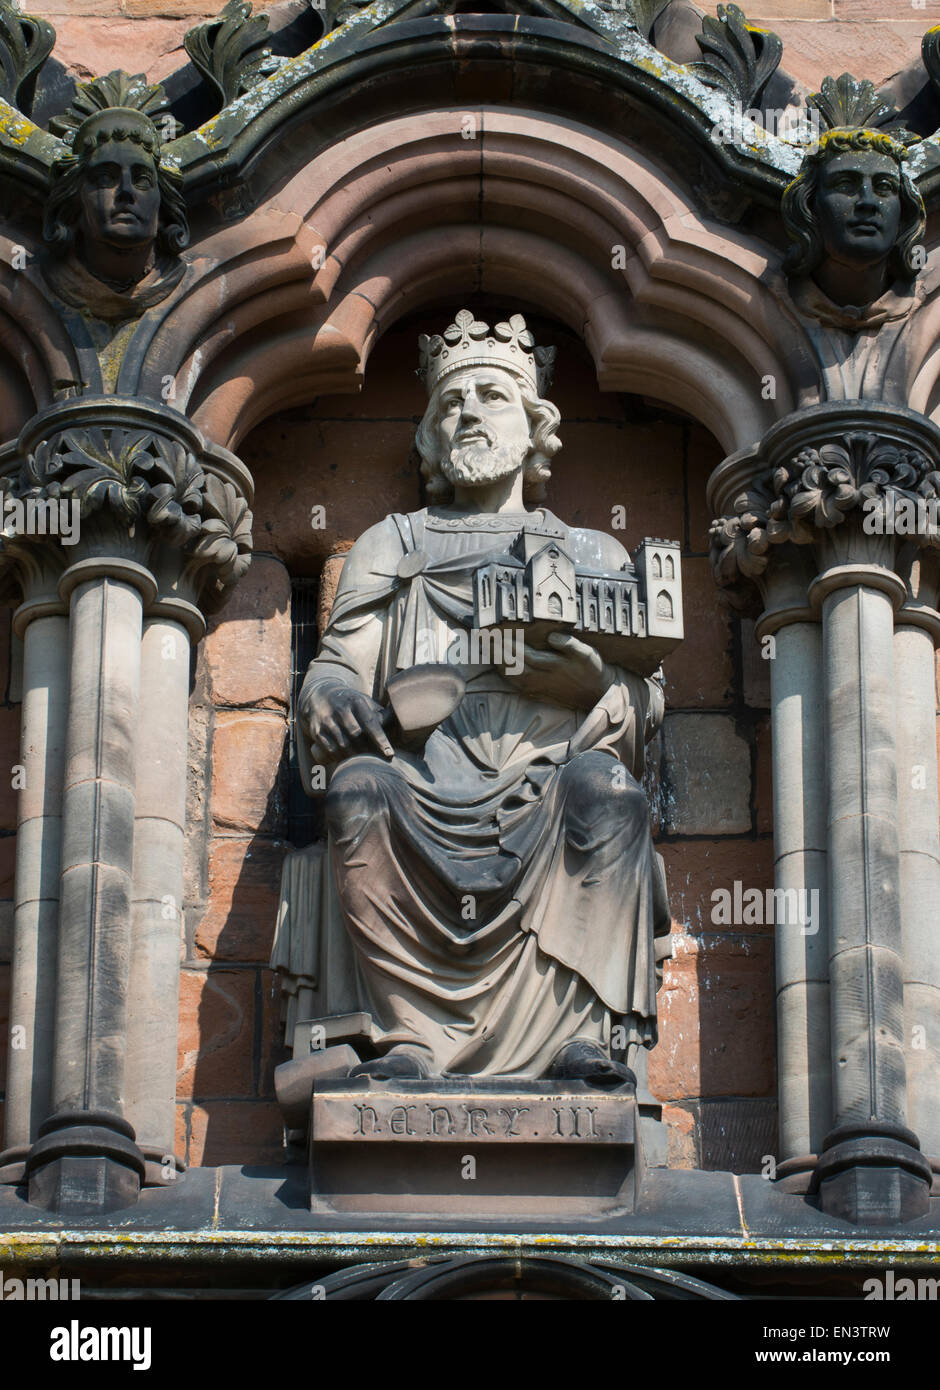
x=572 y=673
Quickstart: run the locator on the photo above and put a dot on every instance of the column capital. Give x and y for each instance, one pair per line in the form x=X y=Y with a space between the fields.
x=95 y=482
x=855 y=482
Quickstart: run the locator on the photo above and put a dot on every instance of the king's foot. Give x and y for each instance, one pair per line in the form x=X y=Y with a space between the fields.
x=584 y=1061
x=396 y=1063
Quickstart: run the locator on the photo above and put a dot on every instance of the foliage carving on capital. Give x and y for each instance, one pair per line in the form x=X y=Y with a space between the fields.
x=822 y=488
x=137 y=476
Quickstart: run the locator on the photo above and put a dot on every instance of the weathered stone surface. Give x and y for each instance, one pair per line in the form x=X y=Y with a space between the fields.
x=696 y=869
x=274 y=1049
x=230 y=1131
x=329 y=581
x=738 y=1136
x=814 y=50
x=925 y=12
x=533 y=1147
x=9 y=759
x=216 y=1035
x=4 y=1021
x=613 y=453
x=707 y=776
x=716 y=1019
x=243 y=900
x=7 y=865
x=763 y=779
x=355 y=472
x=792 y=9
x=246 y=763
x=700 y=673
x=703 y=455
x=248 y=643
x=6 y=931
x=89 y=42
x=681 y=1130
x=755 y=667
x=6 y=640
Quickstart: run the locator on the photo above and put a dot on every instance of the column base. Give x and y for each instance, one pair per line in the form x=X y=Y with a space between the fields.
x=872 y=1175
x=85 y=1162
x=13 y=1164
x=794 y=1175
x=162 y=1166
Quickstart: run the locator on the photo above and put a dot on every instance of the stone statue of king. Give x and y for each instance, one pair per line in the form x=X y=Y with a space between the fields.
x=498 y=882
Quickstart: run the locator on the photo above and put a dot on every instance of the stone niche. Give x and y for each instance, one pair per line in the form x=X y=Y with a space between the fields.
x=215 y=288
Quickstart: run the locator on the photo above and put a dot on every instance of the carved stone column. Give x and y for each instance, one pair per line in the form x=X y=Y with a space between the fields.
x=800 y=859
x=41 y=623
x=164 y=525
x=831 y=479
x=917 y=634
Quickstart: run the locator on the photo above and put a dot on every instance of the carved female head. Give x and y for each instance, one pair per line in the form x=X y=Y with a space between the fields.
x=853 y=203
x=112 y=190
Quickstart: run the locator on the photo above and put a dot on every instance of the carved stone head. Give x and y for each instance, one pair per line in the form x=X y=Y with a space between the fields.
x=854 y=216
x=111 y=199
x=486 y=418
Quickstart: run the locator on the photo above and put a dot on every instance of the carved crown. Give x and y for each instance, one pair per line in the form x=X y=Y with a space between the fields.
x=469 y=343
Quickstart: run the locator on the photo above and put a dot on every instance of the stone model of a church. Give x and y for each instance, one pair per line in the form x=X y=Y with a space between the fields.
x=633 y=616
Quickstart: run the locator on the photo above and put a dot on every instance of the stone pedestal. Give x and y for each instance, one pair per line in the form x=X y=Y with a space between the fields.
x=474 y=1150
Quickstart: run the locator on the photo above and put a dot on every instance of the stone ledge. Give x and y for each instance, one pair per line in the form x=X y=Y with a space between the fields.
x=230 y=1214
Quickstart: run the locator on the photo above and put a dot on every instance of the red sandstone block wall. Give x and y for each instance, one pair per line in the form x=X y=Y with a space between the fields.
x=871 y=38
x=229 y=1041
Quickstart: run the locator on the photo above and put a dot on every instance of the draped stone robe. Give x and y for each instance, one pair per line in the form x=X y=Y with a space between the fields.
x=500 y=885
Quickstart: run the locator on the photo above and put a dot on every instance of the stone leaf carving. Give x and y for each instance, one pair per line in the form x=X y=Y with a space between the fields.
x=231 y=52
x=930 y=51
x=846 y=103
x=138 y=475
x=737 y=58
x=224 y=538
x=646 y=13
x=25 y=44
x=818 y=490
x=121 y=89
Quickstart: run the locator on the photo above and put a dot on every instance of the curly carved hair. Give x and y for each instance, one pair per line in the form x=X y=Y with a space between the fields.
x=544 y=419
x=63 y=205
x=799 y=215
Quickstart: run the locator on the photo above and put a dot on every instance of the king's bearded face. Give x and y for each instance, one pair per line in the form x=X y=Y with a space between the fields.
x=483 y=426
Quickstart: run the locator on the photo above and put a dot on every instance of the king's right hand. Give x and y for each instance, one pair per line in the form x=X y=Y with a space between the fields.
x=340 y=719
